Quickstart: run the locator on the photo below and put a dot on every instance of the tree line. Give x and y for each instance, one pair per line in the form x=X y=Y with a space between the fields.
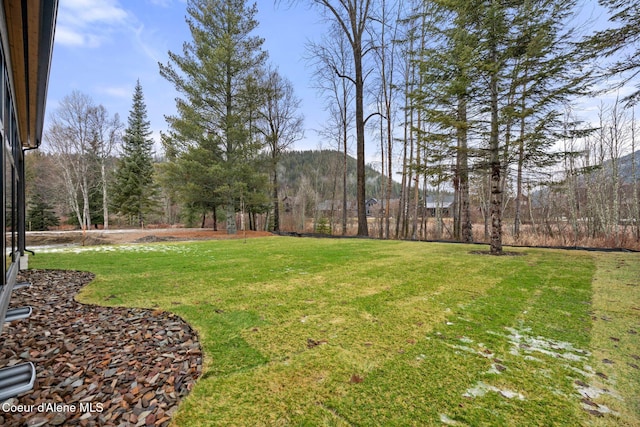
x=472 y=97
x=79 y=167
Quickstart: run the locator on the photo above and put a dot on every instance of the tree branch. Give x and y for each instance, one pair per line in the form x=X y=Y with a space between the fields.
x=374 y=114
x=342 y=76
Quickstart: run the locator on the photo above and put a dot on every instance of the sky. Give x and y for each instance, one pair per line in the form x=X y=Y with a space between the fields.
x=102 y=47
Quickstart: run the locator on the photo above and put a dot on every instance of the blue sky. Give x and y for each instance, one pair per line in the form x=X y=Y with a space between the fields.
x=103 y=46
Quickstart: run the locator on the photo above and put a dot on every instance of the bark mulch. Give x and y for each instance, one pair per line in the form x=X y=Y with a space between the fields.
x=95 y=365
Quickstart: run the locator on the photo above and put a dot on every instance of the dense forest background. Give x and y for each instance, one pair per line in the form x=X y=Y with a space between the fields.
x=466 y=109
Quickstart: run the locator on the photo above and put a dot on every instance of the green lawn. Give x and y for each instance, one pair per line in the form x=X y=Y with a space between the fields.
x=365 y=332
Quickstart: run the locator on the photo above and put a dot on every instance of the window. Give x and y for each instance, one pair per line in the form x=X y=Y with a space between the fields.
x=9 y=154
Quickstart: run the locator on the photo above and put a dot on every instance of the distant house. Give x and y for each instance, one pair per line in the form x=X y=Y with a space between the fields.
x=369 y=206
x=445 y=203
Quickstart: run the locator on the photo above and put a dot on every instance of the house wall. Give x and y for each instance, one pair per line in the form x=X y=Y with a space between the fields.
x=11 y=158
x=26 y=44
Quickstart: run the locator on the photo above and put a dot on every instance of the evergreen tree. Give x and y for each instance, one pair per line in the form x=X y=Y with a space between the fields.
x=134 y=192
x=449 y=76
x=193 y=178
x=220 y=101
x=621 y=42
x=40 y=215
x=496 y=71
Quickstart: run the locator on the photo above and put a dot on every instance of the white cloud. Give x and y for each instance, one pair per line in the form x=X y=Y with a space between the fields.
x=86 y=12
x=96 y=23
x=117 y=91
x=89 y=23
x=161 y=3
x=68 y=37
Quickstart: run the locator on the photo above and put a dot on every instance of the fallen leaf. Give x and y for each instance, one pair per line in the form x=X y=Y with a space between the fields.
x=313 y=343
x=356 y=379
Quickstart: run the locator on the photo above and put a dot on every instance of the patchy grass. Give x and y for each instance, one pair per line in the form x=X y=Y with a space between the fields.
x=364 y=332
x=615 y=340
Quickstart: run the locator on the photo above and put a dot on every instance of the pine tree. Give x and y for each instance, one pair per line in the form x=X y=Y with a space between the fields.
x=509 y=65
x=450 y=82
x=134 y=191
x=621 y=42
x=220 y=100
x=40 y=215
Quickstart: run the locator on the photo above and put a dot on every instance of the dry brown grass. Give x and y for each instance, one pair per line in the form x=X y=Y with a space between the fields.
x=555 y=235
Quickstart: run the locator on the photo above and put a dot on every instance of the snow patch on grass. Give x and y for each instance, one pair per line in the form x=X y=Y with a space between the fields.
x=482 y=388
x=483 y=351
x=444 y=419
x=521 y=341
x=134 y=248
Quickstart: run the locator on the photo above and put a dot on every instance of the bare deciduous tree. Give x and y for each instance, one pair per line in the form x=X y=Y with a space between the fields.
x=106 y=137
x=329 y=55
x=69 y=138
x=353 y=18
x=281 y=126
x=82 y=136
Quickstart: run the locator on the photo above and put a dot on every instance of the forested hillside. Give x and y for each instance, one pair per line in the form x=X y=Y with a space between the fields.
x=322 y=170
x=629 y=167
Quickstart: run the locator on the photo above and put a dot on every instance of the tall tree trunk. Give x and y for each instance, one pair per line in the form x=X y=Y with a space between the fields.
x=335 y=166
x=466 y=225
x=86 y=209
x=635 y=211
x=416 y=189
x=345 y=156
x=410 y=178
x=231 y=217
x=521 y=146
x=403 y=185
x=425 y=215
x=486 y=204
x=363 y=229
x=382 y=174
x=457 y=198
x=105 y=198
x=615 y=184
x=494 y=162
x=519 y=195
x=72 y=192
x=276 y=200
x=387 y=201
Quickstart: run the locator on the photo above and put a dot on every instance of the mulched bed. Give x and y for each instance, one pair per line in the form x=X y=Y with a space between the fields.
x=99 y=365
